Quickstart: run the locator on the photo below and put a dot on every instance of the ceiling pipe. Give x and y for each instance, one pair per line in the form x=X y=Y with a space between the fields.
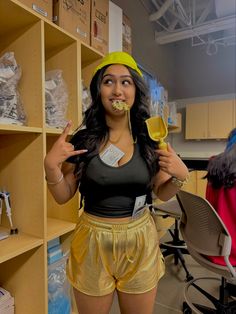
x=173 y=24
x=157 y=15
x=157 y=6
x=185 y=18
x=194 y=12
x=178 y=16
x=205 y=12
x=196 y=30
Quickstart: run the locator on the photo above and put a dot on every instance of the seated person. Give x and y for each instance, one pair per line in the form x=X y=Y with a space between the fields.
x=221 y=191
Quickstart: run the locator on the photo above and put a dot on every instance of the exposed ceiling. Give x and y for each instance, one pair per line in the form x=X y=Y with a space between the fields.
x=209 y=22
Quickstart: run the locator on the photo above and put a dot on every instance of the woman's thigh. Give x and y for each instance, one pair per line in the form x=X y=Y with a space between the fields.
x=142 y=303
x=87 y=304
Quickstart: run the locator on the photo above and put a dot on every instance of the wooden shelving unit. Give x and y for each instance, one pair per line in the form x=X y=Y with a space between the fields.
x=196 y=184
x=38 y=46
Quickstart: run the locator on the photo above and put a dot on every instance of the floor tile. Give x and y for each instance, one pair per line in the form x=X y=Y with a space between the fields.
x=171 y=287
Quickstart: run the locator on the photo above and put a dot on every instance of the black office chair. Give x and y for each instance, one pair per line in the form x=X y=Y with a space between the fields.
x=206 y=235
x=176 y=246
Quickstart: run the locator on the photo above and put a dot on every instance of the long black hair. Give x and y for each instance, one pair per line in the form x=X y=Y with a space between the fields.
x=94 y=130
x=221 y=170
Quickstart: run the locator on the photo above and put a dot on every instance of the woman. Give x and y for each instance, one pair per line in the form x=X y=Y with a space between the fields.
x=116 y=167
x=221 y=191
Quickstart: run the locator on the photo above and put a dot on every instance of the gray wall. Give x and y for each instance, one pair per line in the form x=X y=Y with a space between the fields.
x=197 y=74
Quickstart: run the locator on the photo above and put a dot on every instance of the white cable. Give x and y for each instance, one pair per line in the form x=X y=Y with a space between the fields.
x=6 y=196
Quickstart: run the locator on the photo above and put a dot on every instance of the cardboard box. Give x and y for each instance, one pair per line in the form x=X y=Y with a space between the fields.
x=126 y=35
x=74 y=17
x=43 y=7
x=100 y=25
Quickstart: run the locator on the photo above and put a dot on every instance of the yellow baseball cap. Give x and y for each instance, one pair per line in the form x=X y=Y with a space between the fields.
x=119 y=57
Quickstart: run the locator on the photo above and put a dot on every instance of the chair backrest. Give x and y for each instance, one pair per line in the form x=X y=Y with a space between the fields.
x=170 y=208
x=202 y=229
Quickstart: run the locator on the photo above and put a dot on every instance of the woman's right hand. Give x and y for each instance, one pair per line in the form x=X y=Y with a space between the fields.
x=61 y=150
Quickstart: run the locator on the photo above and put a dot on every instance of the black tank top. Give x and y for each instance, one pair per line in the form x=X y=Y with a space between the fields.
x=111 y=191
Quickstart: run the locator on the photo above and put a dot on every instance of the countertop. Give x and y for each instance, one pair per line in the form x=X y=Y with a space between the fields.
x=195 y=163
x=197 y=155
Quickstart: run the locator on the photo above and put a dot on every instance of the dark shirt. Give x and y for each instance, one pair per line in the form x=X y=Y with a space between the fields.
x=111 y=191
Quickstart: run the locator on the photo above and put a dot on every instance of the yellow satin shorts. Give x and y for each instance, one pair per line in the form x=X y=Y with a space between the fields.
x=107 y=255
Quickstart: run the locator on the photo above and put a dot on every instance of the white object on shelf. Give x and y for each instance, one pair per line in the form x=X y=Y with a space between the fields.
x=6 y=302
x=3 y=235
x=11 y=107
x=56 y=99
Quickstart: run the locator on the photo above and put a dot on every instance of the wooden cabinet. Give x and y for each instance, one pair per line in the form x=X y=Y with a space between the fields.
x=201 y=183
x=196 y=121
x=191 y=185
x=210 y=120
x=220 y=118
x=38 y=46
x=196 y=183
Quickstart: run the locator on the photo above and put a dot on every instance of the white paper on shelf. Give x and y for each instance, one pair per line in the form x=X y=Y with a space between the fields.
x=6 y=301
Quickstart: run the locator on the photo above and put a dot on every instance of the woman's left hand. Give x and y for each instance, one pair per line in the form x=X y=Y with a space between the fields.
x=170 y=163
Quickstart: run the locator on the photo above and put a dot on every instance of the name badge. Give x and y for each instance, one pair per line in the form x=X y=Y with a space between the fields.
x=111 y=155
x=139 y=207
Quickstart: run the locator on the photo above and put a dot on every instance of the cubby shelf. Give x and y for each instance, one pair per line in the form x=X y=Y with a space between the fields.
x=39 y=46
x=56 y=228
x=6 y=129
x=17 y=244
x=53 y=131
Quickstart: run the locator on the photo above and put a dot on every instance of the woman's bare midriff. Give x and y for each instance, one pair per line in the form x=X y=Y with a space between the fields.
x=109 y=219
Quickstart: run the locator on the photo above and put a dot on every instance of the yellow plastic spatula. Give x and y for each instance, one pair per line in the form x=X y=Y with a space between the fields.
x=157 y=130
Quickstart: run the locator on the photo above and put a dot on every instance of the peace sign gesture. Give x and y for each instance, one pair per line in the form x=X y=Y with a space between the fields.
x=61 y=150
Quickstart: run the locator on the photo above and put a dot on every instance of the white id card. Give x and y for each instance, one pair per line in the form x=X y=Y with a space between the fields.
x=111 y=155
x=139 y=206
